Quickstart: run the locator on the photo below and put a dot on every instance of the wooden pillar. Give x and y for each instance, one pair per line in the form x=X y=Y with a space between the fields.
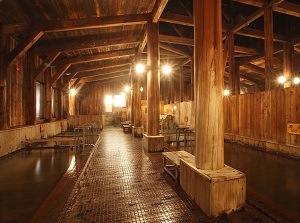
x=30 y=90
x=137 y=99
x=181 y=85
x=288 y=63
x=209 y=84
x=192 y=80
x=3 y=83
x=269 y=48
x=48 y=94
x=234 y=79
x=153 y=80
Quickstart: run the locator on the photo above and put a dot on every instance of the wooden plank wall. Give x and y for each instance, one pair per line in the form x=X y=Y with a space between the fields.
x=77 y=120
x=264 y=115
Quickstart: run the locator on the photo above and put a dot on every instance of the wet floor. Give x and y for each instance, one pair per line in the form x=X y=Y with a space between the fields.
x=27 y=177
x=274 y=176
x=122 y=183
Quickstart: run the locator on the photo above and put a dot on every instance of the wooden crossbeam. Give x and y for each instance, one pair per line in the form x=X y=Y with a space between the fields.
x=101 y=56
x=176 y=40
x=284 y=7
x=158 y=9
x=46 y=63
x=67 y=25
x=62 y=46
x=103 y=77
x=142 y=44
x=255 y=68
x=177 y=19
x=242 y=49
x=59 y=73
x=174 y=50
x=103 y=71
x=22 y=48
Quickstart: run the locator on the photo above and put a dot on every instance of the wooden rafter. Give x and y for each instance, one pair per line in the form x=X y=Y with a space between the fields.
x=62 y=46
x=255 y=68
x=46 y=63
x=174 y=50
x=23 y=47
x=158 y=9
x=103 y=77
x=242 y=49
x=67 y=25
x=177 y=19
x=176 y=40
x=59 y=73
x=101 y=56
x=103 y=71
x=285 y=7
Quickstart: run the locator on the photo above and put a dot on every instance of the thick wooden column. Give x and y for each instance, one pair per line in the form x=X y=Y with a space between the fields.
x=192 y=80
x=30 y=90
x=3 y=83
x=48 y=94
x=153 y=80
x=137 y=99
x=234 y=77
x=269 y=48
x=209 y=84
x=288 y=63
x=181 y=85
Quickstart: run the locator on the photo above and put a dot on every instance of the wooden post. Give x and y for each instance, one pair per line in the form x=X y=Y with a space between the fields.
x=30 y=90
x=3 y=83
x=234 y=82
x=269 y=48
x=181 y=85
x=209 y=84
x=192 y=80
x=288 y=63
x=48 y=93
x=137 y=99
x=153 y=80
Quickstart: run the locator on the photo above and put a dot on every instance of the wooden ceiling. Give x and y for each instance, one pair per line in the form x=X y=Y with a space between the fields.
x=97 y=40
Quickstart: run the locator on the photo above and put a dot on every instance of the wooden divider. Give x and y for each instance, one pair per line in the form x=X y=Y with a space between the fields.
x=77 y=120
x=264 y=115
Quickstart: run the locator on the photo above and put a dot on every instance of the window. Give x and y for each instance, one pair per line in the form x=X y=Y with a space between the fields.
x=53 y=102
x=120 y=100
x=108 y=103
x=38 y=100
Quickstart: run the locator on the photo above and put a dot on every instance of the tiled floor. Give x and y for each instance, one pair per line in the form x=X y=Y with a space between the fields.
x=122 y=183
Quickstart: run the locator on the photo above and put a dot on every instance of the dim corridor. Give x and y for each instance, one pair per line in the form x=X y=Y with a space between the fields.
x=122 y=183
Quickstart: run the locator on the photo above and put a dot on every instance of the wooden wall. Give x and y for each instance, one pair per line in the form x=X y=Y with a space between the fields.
x=263 y=116
x=91 y=98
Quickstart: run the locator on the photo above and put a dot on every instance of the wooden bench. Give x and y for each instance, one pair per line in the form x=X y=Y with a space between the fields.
x=126 y=128
x=172 y=162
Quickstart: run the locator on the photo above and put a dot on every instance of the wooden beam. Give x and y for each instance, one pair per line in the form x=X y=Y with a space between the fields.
x=176 y=40
x=62 y=46
x=269 y=48
x=245 y=22
x=59 y=73
x=255 y=68
x=86 y=68
x=288 y=63
x=142 y=44
x=76 y=24
x=174 y=50
x=103 y=71
x=177 y=19
x=101 y=56
x=103 y=77
x=45 y=64
x=277 y=49
x=234 y=78
x=285 y=7
x=65 y=84
x=158 y=9
x=242 y=49
x=22 y=48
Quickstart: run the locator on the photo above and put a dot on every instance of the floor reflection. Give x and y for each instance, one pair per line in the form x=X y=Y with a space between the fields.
x=271 y=175
x=26 y=179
